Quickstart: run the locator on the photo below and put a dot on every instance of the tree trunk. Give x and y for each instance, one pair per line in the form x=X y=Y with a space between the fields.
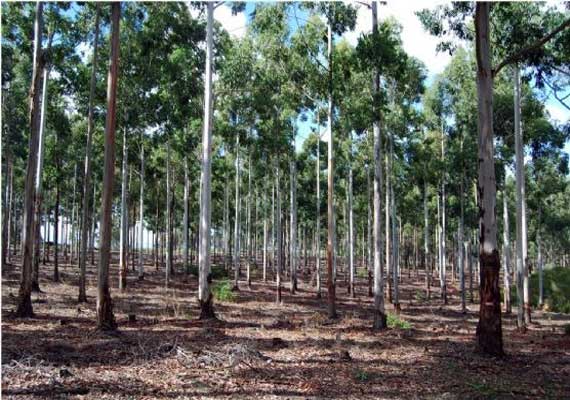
x=185 y=220
x=105 y=317
x=350 y=235
x=489 y=328
x=7 y=209
x=141 y=214
x=506 y=252
x=380 y=321
x=169 y=266
x=540 y=264
x=427 y=262
x=87 y=171
x=279 y=238
x=331 y=284
x=24 y=306
x=237 y=206
x=318 y=227
x=205 y=277
x=39 y=173
x=443 y=271
x=293 y=222
x=56 y=218
x=124 y=230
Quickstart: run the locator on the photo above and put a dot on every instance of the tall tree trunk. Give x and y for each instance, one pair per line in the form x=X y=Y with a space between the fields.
x=205 y=277
x=87 y=171
x=380 y=321
x=169 y=266
x=279 y=238
x=489 y=328
x=38 y=199
x=331 y=284
x=72 y=230
x=56 y=217
x=369 y=244
x=105 y=317
x=185 y=220
x=24 y=306
x=141 y=214
x=540 y=264
x=506 y=252
x=350 y=235
x=318 y=227
x=427 y=261
x=395 y=233
x=7 y=209
x=237 y=206
x=93 y=226
x=293 y=232
x=460 y=232
x=248 y=239
x=443 y=271
x=124 y=232
x=522 y=258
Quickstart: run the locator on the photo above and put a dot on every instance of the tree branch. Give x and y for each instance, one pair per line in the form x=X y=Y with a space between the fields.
x=537 y=44
x=555 y=93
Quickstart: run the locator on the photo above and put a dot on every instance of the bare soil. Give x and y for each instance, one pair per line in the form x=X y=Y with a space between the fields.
x=260 y=349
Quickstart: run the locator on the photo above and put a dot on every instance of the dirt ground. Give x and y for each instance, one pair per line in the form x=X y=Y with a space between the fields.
x=260 y=349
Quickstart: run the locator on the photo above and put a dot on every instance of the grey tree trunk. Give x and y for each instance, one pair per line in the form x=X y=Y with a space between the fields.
x=331 y=284
x=293 y=230
x=169 y=247
x=124 y=230
x=279 y=237
x=540 y=268
x=489 y=328
x=86 y=211
x=7 y=213
x=350 y=235
x=39 y=175
x=185 y=221
x=395 y=233
x=24 y=306
x=427 y=261
x=443 y=271
x=521 y=201
x=380 y=321
x=237 y=220
x=105 y=317
x=506 y=253
x=204 y=294
x=318 y=227
x=141 y=214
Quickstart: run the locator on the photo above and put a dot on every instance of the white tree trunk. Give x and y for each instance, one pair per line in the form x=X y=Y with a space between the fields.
x=87 y=171
x=293 y=230
x=506 y=252
x=350 y=234
x=318 y=227
x=141 y=214
x=279 y=237
x=185 y=220
x=331 y=284
x=379 y=312
x=123 y=234
x=237 y=218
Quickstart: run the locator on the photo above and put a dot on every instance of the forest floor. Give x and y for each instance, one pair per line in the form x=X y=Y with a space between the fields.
x=260 y=349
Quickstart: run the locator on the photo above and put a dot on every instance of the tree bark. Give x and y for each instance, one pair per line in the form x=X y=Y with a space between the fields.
x=279 y=238
x=331 y=284
x=7 y=209
x=489 y=329
x=24 y=307
x=318 y=227
x=169 y=266
x=506 y=253
x=205 y=277
x=237 y=206
x=87 y=171
x=141 y=214
x=293 y=211
x=380 y=320
x=105 y=317
x=124 y=230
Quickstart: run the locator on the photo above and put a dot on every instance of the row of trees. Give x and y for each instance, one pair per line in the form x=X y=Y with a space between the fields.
x=404 y=188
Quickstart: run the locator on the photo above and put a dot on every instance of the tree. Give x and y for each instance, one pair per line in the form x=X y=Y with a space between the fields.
x=24 y=307
x=105 y=317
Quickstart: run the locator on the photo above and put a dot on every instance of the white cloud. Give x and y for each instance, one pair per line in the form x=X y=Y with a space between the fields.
x=234 y=24
x=417 y=42
x=557 y=112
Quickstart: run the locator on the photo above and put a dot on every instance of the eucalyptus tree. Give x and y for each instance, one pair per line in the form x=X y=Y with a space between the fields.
x=24 y=307
x=516 y=47
x=105 y=317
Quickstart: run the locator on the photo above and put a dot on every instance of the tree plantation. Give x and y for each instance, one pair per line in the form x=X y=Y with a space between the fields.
x=287 y=200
